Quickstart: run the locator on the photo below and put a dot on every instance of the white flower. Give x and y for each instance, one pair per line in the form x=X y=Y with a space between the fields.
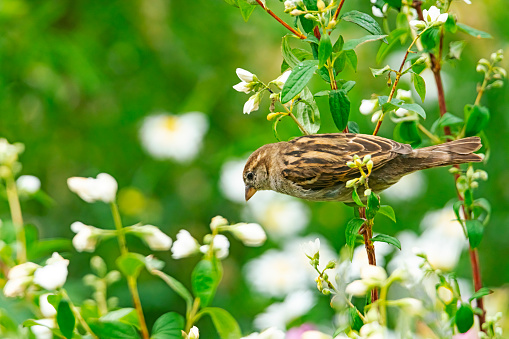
x=9 y=152
x=357 y=287
x=411 y=305
x=218 y=221
x=278 y=315
x=28 y=184
x=376 y=116
x=54 y=274
x=153 y=237
x=377 y=12
x=404 y=95
x=433 y=16
x=242 y=87
x=43 y=331
x=373 y=273
x=445 y=294
x=231 y=183
x=194 y=333
x=252 y=104
x=179 y=137
x=407 y=188
x=277 y=273
x=86 y=236
x=184 y=246
x=311 y=248
x=244 y=75
x=368 y=106
x=270 y=333
x=103 y=188
x=250 y=234
x=417 y=24
x=281 y=80
x=468 y=2
x=372 y=330
x=280 y=215
x=19 y=278
x=47 y=310
x=221 y=246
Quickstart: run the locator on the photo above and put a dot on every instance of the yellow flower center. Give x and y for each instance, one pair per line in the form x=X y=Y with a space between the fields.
x=170 y=123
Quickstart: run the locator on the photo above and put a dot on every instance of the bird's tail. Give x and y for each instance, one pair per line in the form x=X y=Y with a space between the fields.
x=449 y=153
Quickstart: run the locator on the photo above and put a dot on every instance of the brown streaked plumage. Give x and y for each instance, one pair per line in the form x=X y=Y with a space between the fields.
x=314 y=167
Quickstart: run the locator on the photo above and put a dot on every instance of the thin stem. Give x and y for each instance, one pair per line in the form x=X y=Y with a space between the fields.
x=17 y=218
x=430 y=135
x=399 y=73
x=131 y=281
x=367 y=233
x=192 y=317
x=120 y=230
x=303 y=130
x=336 y=14
x=291 y=29
x=435 y=67
x=77 y=313
x=481 y=91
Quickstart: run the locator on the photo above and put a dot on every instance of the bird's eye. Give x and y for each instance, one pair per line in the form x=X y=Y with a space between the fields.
x=250 y=176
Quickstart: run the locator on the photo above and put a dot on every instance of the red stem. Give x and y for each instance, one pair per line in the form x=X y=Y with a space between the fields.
x=474 y=256
x=336 y=14
x=367 y=233
x=291 y=29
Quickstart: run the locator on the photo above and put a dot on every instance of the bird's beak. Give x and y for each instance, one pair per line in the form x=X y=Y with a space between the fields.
x=250 y=191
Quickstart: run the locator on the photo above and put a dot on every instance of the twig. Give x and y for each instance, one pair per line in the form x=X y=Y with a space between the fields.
x=436 y=67
x=291 y=29
x=17 y=218
x=336 y=14
x=367 y=233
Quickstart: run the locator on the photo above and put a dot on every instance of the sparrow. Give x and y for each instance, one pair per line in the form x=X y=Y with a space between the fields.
x=314 y=168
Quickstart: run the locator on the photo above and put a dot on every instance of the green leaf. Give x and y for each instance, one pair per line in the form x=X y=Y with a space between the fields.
x=324 y=50
x=130 y=264
x=407 y=132
x=380 y=71
x=356 y=198
x=351 y=59
x=114 y=329
x=388 y=211
x=232 y=3
x=396 y=37
x=363 y=20
x=455 y=49
x=246 y=9
x=373 y=206
x=353 y=127
x=473 y=32
x=168 y=326
x=298 y=79
x=351 y=231
x=125 y=315
x=176 y=286
x=387 y=239
x=348 y=85
x=54 y=300
x=287 y=52
x=33 y=322
x=353 y=43
x=338 y=45
x=414 y=108
x=355 y=321
x=475 y=230
x=420 y=85
x=204 y=281
x=225 y=324
x=429 y=38
x=482 y=210
x=65 y=319
x=393 y=3
x=456 y=208
x=450 y=24
x=449 y=120
x=477 y=120
x=339 y=105
x=464 y=318
x=306 y=112
x=483 y=291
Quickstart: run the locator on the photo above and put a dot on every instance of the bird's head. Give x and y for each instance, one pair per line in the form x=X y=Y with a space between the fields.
x=256 y=171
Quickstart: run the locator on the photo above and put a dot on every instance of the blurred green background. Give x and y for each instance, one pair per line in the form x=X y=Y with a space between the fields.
x=78 y=77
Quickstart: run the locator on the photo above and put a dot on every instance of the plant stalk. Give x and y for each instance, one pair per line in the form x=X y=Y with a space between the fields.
x=17 y=218
x=291 y=29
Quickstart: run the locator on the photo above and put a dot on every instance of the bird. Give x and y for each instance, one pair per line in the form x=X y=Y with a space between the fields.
x=314 y=167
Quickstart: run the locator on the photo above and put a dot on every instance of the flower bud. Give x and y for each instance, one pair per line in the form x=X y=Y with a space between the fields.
x=244 y=75
x=54 y=274
x=218 y=221
x=351 y=183
x=482 y=175
x=454 y=170
x=350 y=164
x=366 y=159
x=194 y=333
x=445 y=294
x=369 y=166
x=373 y=273
x=497 y=84
x=311 y=248
x=357 y=287
x=331 y=265
x=474 y=184
x=310 y=16
x=102 y=188
x=417 y=24
x=367 y=192
x=184 y=246
x=250 y=234
x=297 y=12
x=321 y=5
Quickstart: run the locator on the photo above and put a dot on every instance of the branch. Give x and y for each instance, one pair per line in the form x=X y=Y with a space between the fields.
x=336 y=14
x=291 y=29
x=367 y=233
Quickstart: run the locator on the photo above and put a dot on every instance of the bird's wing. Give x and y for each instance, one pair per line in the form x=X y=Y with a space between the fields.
x=319 y=161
